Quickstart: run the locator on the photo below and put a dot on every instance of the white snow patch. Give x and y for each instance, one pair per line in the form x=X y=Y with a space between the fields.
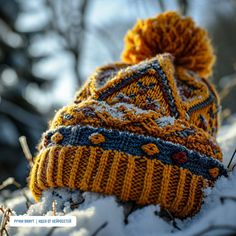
x=115 y=112
x=165 y=120
x=145 y=222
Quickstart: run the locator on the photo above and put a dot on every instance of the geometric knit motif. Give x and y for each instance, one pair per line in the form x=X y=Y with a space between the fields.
x=144 y=133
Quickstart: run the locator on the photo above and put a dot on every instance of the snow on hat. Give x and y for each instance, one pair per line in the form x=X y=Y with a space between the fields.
x=143 y=129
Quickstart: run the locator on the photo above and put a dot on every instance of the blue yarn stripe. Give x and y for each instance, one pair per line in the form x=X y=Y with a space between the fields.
x=131 y=144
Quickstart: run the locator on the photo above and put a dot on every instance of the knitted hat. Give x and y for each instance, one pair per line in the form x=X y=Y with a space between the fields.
x=142 y=130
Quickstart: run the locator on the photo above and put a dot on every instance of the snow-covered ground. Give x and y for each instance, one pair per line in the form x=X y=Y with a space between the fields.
x=103 y=216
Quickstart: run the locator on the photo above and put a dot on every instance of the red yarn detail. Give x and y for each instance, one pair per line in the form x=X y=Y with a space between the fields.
x=179 y=158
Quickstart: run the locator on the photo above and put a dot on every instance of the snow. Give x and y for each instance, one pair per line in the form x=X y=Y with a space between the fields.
x=165 y=120
x=104 y=215
x=112 y=110
x=115 y=110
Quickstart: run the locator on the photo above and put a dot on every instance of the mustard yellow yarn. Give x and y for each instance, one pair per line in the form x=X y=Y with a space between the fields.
x=170 y=32
x=143 y=130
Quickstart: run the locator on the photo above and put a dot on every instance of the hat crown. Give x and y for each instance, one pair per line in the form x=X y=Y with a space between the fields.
x=157 y=85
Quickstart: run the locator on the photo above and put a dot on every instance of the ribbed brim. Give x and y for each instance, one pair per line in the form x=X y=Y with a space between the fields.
x=110 y=172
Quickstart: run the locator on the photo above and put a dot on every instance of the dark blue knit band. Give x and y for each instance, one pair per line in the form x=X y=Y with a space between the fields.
x=131 y=144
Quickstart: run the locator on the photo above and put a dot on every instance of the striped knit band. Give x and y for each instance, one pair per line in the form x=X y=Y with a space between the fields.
x=116 y=173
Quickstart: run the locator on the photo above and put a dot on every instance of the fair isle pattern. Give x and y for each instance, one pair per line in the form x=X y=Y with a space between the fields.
x=143 y=132
x=151 y=67
x=195 y=95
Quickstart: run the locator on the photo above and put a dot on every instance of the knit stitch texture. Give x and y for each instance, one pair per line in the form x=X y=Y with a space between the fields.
x=143 y=129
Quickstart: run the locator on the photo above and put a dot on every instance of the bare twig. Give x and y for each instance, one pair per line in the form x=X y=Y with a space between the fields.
x=9 y=181
x=12 y=181
x=161 y=5
x=223 y=198
x=51 y=231
x=74 y=205
x=28 y=202
x=128 y=208
x=5 y=230
x=167 y=216
x=5 y=219
x=228 y=87
x=216 y=227
x=233 y=167
x=183 y=5
x=54 y=207
x=26 y=150
x=225 y=114
x=231 y=159
x=100 y=228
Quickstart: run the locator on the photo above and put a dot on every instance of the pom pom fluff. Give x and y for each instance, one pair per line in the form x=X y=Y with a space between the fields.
x=170 y=33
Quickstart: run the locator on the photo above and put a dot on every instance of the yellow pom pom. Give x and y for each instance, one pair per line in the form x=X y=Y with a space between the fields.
x=170 y=33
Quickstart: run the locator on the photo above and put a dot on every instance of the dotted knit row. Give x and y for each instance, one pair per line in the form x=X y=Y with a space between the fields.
x=137 y=145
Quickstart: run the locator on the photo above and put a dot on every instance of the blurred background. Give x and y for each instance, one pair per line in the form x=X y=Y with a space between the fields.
x=49 y=47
